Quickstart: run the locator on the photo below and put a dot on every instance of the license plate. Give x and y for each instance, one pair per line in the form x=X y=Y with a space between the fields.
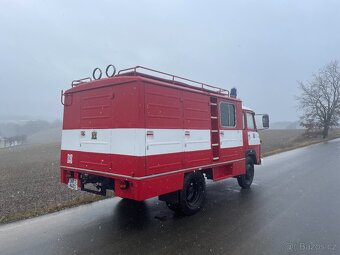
x=73 y=184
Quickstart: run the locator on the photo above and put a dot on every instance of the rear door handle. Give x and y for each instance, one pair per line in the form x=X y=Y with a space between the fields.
x=149 y=134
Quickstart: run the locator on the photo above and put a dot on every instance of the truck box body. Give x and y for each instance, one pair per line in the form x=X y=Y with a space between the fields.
x=150 y=132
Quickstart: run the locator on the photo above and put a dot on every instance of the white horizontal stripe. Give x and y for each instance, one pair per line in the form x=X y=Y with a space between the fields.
x=231 y=138
x=73 y=140
x=145 y=142
x=164 y=141
x=128 y=141
x=123 y=141
x=197 y=140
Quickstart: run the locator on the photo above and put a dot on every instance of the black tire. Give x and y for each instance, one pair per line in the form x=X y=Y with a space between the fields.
x=192 y=196
x=246 y=179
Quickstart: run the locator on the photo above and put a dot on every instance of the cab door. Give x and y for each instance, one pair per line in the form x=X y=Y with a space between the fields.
x=252 y=135
x=231 y=141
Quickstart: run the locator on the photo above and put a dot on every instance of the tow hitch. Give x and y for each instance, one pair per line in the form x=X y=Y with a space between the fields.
x=96 y=184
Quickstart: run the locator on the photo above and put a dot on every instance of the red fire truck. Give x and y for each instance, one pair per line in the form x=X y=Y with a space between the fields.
x=142 y=133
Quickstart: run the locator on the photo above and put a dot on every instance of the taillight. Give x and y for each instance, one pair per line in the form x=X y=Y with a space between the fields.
x=123 y=184
x=69 y=175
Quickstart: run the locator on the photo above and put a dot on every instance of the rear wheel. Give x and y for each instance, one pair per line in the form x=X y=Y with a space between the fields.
x=246 y=179
x=192 y=196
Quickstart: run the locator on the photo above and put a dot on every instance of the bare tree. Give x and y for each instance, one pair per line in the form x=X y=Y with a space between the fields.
x=319 y=101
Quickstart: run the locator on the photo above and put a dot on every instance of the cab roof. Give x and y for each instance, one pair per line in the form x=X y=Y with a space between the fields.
x=247 y=108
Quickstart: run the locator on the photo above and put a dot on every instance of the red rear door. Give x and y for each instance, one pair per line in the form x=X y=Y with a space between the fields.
x=95 y=133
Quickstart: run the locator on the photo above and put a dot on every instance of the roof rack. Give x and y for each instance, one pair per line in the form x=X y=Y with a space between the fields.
x=80 y=81
x=175 y=79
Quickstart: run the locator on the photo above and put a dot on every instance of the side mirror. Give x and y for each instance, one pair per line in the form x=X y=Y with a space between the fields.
x=265 y=121
x=262 y=121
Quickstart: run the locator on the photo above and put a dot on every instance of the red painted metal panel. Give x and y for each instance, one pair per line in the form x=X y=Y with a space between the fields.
x=65 y=162
x=128 y=165
x=196 y=111
x=128 y=106
x=109 y=163
x=163 y=107
x=173 y=161
x=222 y=172
x=164 y=163
x=118 y=106
x=133 y=165
x=71 y=118
x=197 y=158
x=239 y=168
x=143 y=189
x=229 y=170
x=98 y=161
x=228 y=154
x=96 y=108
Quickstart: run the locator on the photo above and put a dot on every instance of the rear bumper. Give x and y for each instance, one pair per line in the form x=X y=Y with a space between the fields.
x=139 y=188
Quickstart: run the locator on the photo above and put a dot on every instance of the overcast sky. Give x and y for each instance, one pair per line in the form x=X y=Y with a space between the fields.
x=260 y=47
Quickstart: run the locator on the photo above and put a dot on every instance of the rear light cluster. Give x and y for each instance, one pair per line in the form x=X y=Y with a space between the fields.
x=123 y=184
x=69 y=175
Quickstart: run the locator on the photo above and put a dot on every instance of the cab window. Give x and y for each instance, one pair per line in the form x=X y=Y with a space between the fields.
x=250 y=121
x=227 y=112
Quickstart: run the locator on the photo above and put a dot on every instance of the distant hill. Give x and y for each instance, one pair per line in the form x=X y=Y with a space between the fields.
x=285 y=125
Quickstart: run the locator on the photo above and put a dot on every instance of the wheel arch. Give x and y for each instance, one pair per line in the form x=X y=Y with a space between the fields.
x=252 y=154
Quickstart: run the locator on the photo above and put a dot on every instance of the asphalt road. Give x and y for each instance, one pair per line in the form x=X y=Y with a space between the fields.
x=293 y=207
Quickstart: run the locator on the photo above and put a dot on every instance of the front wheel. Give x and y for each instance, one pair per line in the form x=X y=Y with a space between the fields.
x=246 y=179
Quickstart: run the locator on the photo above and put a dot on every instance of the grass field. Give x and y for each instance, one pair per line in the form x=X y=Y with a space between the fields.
x=278 y=140
x=29 y=174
